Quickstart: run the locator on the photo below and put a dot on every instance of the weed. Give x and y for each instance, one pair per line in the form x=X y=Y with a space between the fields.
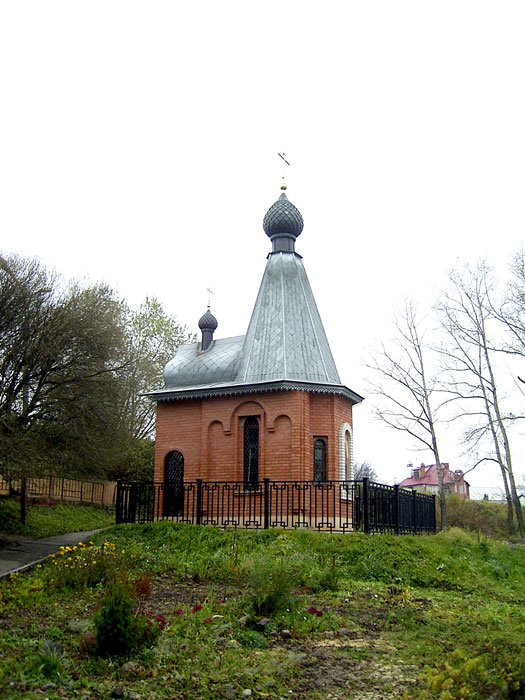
x=83 y=565
x=50 y=659
x=251 y=639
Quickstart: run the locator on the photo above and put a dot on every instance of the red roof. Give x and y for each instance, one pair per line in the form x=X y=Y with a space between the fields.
x=430 y=476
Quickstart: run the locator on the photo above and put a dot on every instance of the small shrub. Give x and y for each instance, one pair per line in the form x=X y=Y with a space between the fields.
x=10 y=517
x=471 y=677
x=121 y=624
x=326 y=579
x=272 y=586
x=116 y=623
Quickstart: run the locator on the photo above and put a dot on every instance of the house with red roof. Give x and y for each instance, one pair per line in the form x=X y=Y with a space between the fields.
x=425 y=480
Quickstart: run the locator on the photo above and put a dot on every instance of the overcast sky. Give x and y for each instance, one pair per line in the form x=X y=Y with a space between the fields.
x=139 y=140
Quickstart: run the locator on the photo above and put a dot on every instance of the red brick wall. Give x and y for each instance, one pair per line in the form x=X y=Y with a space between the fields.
x=208 y=433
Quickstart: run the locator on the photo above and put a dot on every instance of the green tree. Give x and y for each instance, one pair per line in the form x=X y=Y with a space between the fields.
x=60 y=349
x=75 y=364
x=152 y=338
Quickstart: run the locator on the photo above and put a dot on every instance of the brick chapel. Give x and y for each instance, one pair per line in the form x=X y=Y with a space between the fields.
x=266 y=404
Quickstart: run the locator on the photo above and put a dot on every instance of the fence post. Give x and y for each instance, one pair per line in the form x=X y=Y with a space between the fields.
x=118 y=502
x=132 y=505
x=23 y=499
x=414 y=510
x=50 y=485
x=434 y=521
x=366 y=506
x=62 y=490
x=266 y=503
x=81 y=491
x=396 y=509
x=199 y=501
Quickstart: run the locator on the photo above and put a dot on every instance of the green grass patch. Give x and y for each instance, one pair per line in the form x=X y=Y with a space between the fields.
x=170 y=610
x=47 y=521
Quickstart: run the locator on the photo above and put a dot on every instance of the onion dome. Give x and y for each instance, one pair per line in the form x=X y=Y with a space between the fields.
x=283 y=218
x=208 y=322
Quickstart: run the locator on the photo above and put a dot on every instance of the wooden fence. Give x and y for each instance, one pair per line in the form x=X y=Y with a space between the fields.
x=58 y=488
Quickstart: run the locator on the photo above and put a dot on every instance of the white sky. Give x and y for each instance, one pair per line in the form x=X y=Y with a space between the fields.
x=139 y=140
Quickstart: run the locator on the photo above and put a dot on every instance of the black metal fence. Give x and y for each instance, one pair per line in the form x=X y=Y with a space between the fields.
x=328 y=506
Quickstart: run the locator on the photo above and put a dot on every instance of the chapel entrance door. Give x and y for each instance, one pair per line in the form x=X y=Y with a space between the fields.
x=173 y=505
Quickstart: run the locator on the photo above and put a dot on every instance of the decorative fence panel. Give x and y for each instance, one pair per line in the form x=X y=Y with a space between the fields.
x=328 y=506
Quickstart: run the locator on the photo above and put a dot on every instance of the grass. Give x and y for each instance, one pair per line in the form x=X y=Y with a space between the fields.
x=47 y=521
x=282 y=615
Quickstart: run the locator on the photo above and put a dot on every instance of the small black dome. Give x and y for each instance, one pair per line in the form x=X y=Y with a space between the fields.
x=283 y=217
x=208 y=322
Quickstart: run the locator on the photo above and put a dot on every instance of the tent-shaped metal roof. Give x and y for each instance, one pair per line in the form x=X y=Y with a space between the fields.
x=285 y=346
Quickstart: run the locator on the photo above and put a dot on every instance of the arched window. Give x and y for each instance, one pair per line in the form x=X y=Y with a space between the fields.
x=173 y=504
x=320 y=460
x=251 y=451
x=346 y=456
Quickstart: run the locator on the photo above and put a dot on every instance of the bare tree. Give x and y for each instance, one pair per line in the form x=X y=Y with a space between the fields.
x=410 y=393
x=365 y=469
x=512 y=311
x=467 y=315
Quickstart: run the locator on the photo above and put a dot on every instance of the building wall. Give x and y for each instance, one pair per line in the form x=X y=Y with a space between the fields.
x=209 y=434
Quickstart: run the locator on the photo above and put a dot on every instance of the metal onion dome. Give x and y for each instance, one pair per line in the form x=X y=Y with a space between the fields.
x=283 y=218
x=208 y=322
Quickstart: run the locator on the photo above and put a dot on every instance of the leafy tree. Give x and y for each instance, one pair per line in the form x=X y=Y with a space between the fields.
x=59 y=351
x=151 y=338
x=75 y=363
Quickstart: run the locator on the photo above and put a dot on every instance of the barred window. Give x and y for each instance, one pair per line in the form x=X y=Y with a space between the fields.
x=251 y=451
x=320 y=460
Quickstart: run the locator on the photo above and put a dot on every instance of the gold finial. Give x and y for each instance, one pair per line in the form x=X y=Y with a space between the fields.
x=209 y=297
x=285 y=163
